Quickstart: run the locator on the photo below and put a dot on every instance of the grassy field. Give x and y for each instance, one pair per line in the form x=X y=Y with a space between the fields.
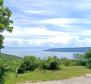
x=66 y=72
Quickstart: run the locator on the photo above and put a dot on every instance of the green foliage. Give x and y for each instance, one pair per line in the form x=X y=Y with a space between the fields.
x=5 y=22
x=1 y=2
x=10 y=62
x=5 y=14
x=84 y=59
x=29 y=64
x=67 y=62
x=80 y=59
x=88 y=58
x=1 y=41
x=50 y=63
x=2 y=74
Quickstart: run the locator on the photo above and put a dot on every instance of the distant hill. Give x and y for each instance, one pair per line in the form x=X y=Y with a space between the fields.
x=77 y=49
x=9 y=57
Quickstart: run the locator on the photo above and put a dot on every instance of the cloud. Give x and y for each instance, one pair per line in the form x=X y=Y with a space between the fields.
x=36 y=20
x=66 y=21
x=84 y=5
x=41 y=36
x=26 y=37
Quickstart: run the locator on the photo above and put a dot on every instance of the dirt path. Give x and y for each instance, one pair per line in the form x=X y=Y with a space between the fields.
x=79 y=80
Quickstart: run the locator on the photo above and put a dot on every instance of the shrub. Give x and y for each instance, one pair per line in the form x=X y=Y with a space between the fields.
x=84 y=59
x=29 y=64
x=54 y=65
x=88 y=58
x=80 y=59
x=51 y=63
x=66 y=62
x=89 y=63
x=22 y=68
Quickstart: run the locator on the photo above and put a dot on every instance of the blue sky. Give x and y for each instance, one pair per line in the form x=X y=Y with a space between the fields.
x=49 y=23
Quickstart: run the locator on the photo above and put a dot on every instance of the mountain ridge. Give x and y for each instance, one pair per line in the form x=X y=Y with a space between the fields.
x=71 y=49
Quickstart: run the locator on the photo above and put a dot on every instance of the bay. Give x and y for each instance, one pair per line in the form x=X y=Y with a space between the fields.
x=38 y=52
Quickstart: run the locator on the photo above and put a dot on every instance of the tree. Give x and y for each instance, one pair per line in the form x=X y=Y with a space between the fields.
x=5 y=22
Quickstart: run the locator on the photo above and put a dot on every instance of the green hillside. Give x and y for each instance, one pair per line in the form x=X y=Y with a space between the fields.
x=9 y=57
x=10 y=61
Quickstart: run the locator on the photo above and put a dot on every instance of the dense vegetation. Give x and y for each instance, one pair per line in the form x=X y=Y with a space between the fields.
x=84 y=59
x=30 y=63
x=8 y=64
x=13 y=66
x=2 y=74
x=9 y=61
x=5 y=25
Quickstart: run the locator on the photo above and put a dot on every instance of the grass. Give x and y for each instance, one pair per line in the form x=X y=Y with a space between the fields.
x=35 y=76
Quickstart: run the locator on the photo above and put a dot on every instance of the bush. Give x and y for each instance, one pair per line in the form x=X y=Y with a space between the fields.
x=54 y=65
x=88 y=58
x=80 y=59
x=2 y=74
x=51 y=63
x=29 y=64
x=84 y=59
x=66 y=62
x=89 y=63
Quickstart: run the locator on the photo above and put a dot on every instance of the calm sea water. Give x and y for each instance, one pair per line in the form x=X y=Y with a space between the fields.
x=37 y=52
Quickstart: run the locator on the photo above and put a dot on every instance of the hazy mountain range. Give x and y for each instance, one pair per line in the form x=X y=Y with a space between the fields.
x=75 y=49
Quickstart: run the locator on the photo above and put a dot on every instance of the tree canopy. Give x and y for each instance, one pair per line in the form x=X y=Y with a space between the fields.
x=5 y=21
x=5 y=25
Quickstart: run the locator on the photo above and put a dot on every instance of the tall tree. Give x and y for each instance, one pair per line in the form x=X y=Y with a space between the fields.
x=5 y=22
x=5 y=25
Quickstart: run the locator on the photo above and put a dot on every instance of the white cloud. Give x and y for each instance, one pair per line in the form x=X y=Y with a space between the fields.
x=41 y=36
x=40 y=12
x=33 y=11
x=29 y=31
x=70 y=15
x=86 y=42
x=66 y=22
x=24 y=36
x=83 y=5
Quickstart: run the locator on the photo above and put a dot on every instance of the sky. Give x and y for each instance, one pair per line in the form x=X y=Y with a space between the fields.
x=49 y=23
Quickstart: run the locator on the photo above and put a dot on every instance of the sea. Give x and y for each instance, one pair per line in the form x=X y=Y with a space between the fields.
x=38 y=52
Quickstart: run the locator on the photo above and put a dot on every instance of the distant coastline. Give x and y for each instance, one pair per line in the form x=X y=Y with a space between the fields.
x=75 y=49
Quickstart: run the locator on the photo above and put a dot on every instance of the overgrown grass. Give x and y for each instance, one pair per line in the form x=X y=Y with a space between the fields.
x=37 y=75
